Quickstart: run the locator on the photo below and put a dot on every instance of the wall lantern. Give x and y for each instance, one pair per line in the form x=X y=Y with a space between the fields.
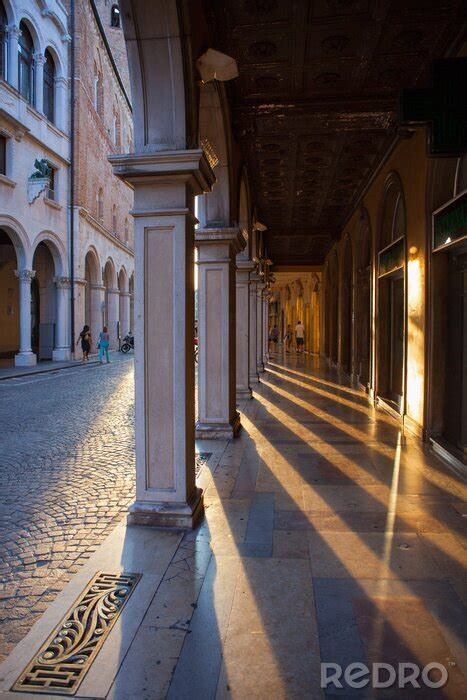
x=214 y=65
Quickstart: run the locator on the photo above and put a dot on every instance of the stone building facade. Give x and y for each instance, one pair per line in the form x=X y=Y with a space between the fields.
x=36 y=284
x=34 y=126
x=103 y=126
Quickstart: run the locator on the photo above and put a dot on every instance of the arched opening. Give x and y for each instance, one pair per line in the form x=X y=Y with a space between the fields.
x=93 y=312
x=115 y=17
x=391 y=296
x=362 y=296
x=111 y=299
x=327 y=313
x=334 y=303
x=49 y=87
x=114 y=220
x=346 y=307
x=9 y=293
x=124 y=303
x=448 y=290
x=131 y=289
x=26 y=64
x=98 y=91
x=43 y=303
x=3 y=42
x=100 y=204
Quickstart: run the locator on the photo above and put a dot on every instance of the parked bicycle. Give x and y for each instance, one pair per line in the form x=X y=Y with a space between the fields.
x=128 y=343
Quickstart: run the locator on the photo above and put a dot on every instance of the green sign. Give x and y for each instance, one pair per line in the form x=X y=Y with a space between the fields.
x=450 y=222
x=392 y=257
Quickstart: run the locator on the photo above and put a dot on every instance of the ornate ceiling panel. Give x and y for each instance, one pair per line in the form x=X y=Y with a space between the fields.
x=315 y=105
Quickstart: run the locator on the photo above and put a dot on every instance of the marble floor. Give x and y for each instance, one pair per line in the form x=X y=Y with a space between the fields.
x=329 y=538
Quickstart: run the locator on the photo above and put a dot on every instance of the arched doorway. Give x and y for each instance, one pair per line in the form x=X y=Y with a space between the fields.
x=346 y=307
x=123 y=303
x=131 y=289
x=391 y=296
x=334 y=330
x=43 y=303
x=447 y=412
x=111 y=308
x=9 y=293
x=93 y=302
x=362 y=296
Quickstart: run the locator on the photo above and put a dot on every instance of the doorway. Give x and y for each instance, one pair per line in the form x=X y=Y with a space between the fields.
x=396 y=340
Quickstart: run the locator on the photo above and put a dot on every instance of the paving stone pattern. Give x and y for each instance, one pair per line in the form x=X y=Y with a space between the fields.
x=66 y=479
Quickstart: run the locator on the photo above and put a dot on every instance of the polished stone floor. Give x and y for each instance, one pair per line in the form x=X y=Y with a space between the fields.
x=328 y=538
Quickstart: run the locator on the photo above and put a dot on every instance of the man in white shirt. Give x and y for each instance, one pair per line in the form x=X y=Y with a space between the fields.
x=300 y=336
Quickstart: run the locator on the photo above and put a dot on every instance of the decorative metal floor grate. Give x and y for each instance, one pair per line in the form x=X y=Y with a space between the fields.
x=65 y=658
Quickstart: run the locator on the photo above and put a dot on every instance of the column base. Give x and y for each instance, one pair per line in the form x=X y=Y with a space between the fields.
x=254 y=379
x=260 y=367
x=168 y=516
x=243 y=394
x=219 y=431
x=25 y=359
x=61 y=355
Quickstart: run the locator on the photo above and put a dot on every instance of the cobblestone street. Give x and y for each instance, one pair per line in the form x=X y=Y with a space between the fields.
x=67 y=476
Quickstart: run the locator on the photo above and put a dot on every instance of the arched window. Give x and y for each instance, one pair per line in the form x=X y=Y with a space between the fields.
x=115 y=17
x=100 y=204
x=97 y=97
x=49 y=86
x=114 y=220
x=3 y=40
x=26 y=64
x=126 y=230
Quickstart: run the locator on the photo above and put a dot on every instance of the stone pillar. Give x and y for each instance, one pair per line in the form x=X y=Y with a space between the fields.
x=244 y=267
x=217 y=250
x=13 y=33
x=61 y=103
x=265 y=327
x=25 y=356
x=39 y=61
x=259 y=327
x=61 y=350
x=113 y=301
x=165 y=184
x=97 y=313
x=254 y=378
x=124 y=313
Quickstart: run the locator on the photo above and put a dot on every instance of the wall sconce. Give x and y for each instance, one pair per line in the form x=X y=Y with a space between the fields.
x=413 y=251
x=214 y=65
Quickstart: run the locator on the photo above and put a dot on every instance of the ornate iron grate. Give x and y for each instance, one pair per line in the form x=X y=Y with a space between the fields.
x=65 y=658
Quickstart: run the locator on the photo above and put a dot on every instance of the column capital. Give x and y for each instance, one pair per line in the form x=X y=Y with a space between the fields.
x=113 y=291
x=247 y=265
x=99 y=287
x=213 y=238
x=25 y=276
x=13 y=30
x=188 y=167
x=39 y=58
x=62 y=282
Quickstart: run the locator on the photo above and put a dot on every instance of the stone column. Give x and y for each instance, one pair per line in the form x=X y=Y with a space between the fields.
x=39 y=61
x=165 y=184
x=61 y=351
x=265 y=327
x=13 y=33
x=259 y=327
x=124 y=313
x=217 y=250
x=244 y=267
x=25 y=356
x=254 y=279
x=61 y=103
x=113 y=301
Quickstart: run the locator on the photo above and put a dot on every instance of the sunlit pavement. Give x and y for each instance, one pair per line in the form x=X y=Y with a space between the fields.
x=327 y=538
x=66 y=478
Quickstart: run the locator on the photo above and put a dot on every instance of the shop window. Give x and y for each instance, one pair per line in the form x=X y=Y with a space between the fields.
x=49 y=87
x=3 y=41
x=26 y=64
x=115 y=17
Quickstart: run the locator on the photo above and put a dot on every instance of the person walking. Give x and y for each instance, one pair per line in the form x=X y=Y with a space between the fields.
x=274 y=336
x=86 y=340
x=300 y=336
x=103 y=345
x=288 y=339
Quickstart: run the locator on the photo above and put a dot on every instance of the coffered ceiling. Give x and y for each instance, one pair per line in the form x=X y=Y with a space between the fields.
x=315 y=105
